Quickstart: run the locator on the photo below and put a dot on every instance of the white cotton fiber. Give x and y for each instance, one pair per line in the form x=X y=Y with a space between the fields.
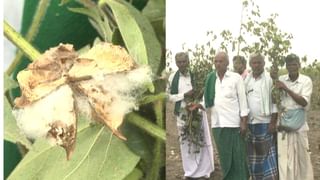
x=34 y=120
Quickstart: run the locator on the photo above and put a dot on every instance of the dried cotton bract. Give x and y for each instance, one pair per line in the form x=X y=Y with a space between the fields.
x=103 y=83
x=44 y=75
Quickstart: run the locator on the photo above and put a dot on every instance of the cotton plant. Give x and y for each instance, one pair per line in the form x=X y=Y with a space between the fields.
x=104 y=83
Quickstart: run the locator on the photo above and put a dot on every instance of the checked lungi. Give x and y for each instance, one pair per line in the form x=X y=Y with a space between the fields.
x=262 y=156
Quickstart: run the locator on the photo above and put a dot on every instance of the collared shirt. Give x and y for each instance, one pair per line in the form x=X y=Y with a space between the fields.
x=184 y=86
x=254 y=89
x=230 y=101
x=301 y=86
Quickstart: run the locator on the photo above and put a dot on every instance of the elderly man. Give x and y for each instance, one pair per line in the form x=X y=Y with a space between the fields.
x=226 y=99
x=261 y=147
x=293 y=148
x=199 y=164
x=240 y=66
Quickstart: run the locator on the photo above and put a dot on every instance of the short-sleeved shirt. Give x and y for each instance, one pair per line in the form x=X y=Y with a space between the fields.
x=301 y=86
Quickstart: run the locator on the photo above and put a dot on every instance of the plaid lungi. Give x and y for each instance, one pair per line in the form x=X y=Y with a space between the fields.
x=262 y=156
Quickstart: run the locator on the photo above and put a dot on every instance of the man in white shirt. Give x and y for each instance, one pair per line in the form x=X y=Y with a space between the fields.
x=199 y=164
x=226 y=99
x=293 y=147
x=261 y=147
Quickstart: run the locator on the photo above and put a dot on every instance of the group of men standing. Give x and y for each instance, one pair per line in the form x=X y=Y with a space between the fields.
x=244 y=119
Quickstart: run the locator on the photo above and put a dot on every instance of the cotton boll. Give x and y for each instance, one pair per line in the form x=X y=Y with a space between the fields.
x=114 y=95
x=140 y=76
x=45 y=74
x=52 y=117
x=102 y=57
x=103 y=83
x=110 y=58
x=83 y=105
x=101 y=101
x=32 y=123
x=127 y=82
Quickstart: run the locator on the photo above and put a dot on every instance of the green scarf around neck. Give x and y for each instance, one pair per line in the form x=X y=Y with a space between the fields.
x=175 y=90
x=209 y=90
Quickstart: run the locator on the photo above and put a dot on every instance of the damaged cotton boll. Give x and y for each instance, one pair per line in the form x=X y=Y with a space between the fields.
x=52 y=117
x=114 y=96
x=103 y=58
x=103 y=83
x=116 y=84
x=45 y=75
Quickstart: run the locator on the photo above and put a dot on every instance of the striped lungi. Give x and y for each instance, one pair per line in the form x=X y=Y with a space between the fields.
x=262 y=156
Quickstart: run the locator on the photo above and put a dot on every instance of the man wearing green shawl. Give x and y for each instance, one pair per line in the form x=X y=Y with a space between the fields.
x=226 y=99
x=195 y=165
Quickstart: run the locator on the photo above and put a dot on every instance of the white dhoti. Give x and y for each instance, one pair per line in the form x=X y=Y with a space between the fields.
x=294 y=156
x=200 y=164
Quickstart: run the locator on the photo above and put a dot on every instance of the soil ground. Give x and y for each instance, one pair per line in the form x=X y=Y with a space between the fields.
x=174 y=169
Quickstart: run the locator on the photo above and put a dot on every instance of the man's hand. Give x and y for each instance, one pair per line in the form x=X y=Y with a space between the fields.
x=188 y=94
x=243 y=126
x=296 y=97
x=194 y=106
x=281 y=85
x=272 y=127
x=273 y=123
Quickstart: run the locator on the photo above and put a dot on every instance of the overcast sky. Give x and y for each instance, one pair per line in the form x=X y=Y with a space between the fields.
x=12 y=14
x=187 y=21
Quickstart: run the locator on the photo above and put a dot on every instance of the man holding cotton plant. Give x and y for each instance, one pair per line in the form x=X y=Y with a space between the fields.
x=197 y=161
x=293 y=145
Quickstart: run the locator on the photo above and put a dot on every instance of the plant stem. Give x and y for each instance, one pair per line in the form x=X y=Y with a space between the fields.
x=241 y=19
x=151 y=98
x=32 y=32
x=158 y=147
x=146 y=125
x=21 y=43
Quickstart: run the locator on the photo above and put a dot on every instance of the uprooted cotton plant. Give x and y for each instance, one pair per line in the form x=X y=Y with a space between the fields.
x=103 y=83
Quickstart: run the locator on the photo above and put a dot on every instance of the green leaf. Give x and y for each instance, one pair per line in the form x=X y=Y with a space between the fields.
x=159 y=28
x=137 y=33
x=155 y=10
x=63 y=2
x=98 y=155
x=9 y=83
x=11 y=130
x=98 y=20
x=136 y=174
x=138 y=142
